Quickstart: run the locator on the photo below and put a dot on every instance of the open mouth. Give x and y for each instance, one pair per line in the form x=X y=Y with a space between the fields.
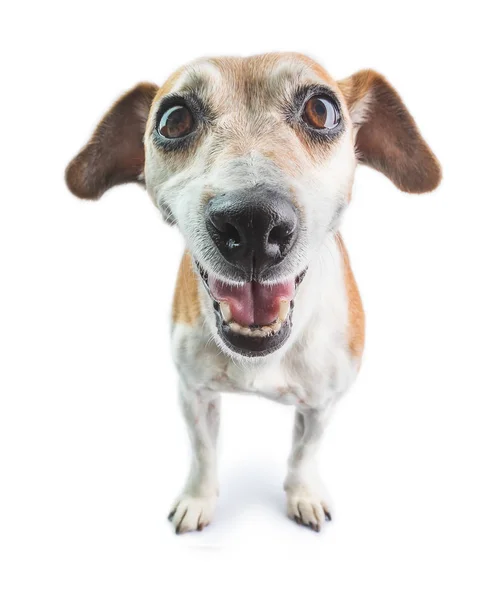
x=253 y=318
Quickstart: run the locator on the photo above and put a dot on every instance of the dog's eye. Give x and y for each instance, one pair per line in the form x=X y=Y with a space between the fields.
x=321 y=113
x=176 y=122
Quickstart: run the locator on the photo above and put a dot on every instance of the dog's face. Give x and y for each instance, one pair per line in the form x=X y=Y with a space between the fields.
x=254 y=159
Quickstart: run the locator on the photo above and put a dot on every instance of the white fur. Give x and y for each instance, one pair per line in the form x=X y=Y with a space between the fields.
x=314 y=367
x=310 y=372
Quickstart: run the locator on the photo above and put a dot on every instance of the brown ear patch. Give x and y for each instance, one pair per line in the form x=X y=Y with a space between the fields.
x=388 y=139
x=115 y=153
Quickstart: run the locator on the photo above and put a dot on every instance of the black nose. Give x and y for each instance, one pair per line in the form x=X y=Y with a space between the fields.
x=254 y=228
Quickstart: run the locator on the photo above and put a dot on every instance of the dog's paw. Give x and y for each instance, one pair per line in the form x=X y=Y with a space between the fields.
x=192 y=513
x=307 y=508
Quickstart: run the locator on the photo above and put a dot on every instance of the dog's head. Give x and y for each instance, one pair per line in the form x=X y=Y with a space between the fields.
x=253 y=159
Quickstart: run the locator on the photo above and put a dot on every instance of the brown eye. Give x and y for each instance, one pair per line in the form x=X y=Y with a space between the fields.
x=176 y=122
x=320 y=113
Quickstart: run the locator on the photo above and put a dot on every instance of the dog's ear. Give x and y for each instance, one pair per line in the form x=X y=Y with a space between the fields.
x=387 y=137
x=115 y=153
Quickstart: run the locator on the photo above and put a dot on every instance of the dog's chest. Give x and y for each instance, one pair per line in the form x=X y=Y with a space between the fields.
x=296 y=379
x=317 y=365
x=272 y=382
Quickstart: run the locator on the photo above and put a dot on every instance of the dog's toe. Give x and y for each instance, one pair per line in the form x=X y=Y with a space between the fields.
x=309 y=510
x=191 y=513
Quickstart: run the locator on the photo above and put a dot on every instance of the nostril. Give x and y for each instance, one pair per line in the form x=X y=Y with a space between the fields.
x=254 y=228
x=227 y=233
x=280 y=235
x=231 y=236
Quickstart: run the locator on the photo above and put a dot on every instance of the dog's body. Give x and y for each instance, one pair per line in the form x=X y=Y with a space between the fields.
x=318 y=363
x=254 y=160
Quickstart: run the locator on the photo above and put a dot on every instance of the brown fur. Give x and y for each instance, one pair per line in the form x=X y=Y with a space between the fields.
x=115 y=153
x=356 y=315
x=186 y=303
x=388 y=139
x=251 y=127
x=169 y=84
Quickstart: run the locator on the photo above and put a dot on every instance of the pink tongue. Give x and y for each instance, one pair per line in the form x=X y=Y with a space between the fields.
x=252 y=303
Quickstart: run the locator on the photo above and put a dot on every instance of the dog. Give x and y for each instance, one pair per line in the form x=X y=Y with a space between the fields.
x=254 y=159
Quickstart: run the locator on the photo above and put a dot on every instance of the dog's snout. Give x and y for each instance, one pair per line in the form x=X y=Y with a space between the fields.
x=253 y=228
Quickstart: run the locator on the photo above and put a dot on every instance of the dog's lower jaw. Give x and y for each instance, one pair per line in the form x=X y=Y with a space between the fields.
x=243 y=338
x=251 y=346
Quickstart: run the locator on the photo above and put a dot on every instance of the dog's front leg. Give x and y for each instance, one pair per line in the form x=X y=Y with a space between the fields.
x=306 y=496
x=194 y=508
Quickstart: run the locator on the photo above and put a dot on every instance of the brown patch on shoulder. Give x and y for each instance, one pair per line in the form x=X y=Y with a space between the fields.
x=356 y=316
x=186 y=303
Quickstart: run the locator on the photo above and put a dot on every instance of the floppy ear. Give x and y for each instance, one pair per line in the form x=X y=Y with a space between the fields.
x=115 y=153
x=387 y=138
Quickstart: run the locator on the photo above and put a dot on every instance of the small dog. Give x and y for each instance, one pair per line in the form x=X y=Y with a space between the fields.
x=254 y=159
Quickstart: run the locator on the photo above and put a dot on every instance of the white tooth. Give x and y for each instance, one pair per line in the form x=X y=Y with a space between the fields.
x=235 y=326
x=267 y=330
x=225 y=311
x=257 y=333
x=283 y=309
x=276 y=326
x=245 y=331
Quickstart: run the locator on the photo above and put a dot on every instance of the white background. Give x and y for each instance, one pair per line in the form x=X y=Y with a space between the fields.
x=93 y=448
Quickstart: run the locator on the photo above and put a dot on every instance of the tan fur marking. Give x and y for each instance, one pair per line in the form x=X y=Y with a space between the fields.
x=388 y=138
x=186 y=303
x=163 y=91
x=169 y=84
x=317 y=69
x=207 y=195
x=356 y=87
x=356 y=316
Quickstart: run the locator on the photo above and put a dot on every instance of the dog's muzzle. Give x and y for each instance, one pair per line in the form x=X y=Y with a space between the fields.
x=254 y=230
